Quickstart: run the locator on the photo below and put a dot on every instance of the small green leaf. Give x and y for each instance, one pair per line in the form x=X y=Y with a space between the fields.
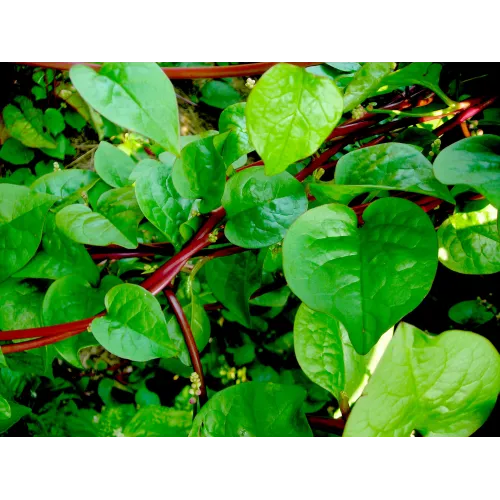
x=475 y=162
x=471 y=312
x=444 y=385
x=54 y=121
x=16 y=152
x=253 y=409
x=113 y=165
x=159 y=421
x=469 y=243
x=289 y=114
x=219 y=94
x=137 y=96
x=135 y=327
x=200 y=173
x=75 y=120
x=365 y=83
x=390 y=166
x=260 y=209
x=22 y=217
x=367 y=278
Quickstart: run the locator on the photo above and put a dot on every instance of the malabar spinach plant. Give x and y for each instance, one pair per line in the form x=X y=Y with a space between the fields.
x=260 y=279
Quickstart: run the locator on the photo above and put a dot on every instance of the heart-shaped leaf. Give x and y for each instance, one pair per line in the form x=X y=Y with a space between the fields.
x=15 y=152
x=260 y=209
x=253 y=409
x=137 y=96
x=390 y=166
x=475 y=162
x=22 y=216
x=444 y=385
x=367 y=278
x=113 y=165
x=135 y=327
x=290 y=112
x=469 y=242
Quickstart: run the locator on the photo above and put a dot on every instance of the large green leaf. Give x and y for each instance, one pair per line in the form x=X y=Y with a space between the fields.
x=27 y=126
x=219 y=94
x=71 y=299
x=137 y=96
x=15 y=152
x=59 y=256
x=365 y=83
x=367 y=278
x=469 y=242
x=260 y=209
x=327 y=357
x=475 y=162
x=233 y=132
x=17 y=412
x=390 y=166
x=113 y=165
x=253 y=409
x=290 y=112
x=232 y=280
x=20 y=305
x=159 y=421
x=200 y=173
x=22 y=217
x=135 y=327
x=161 y=203
x=444 y=385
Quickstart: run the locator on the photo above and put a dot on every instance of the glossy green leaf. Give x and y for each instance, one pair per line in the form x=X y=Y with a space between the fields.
x=253 y=409
x=444 y=385
x=71 y=299
x=20 y=305
x=327 y=357
x=59 y=256
x=17 y=412
x=5 y=411
x=471 y=312
x=233 y=131
x=54 y=121
x=160 y=202
x=219 y=94
x=137 y=96
x=34 y=362
x=63 y=148
x=469 y=242
x=347 y=67
x=232 y=280
x=367 y=278
x=475 y=162
x=26 y=126
x=113 y=165
x=289 y=114
x=75 y=120
x=22 y=217
x=64 y=183
x=159 y=421
x=365 y=83
x=260 y=209
x=200 y=173
x=135 y=327
x=390 y=166
x=327 y=192
x=15 y=152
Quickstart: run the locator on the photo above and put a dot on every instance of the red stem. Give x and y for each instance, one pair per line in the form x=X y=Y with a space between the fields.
x=335 y=425
x=194 y=354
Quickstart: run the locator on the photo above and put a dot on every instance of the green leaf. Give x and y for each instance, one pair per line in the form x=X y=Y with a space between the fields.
x=327 y=357
x=236 y=143
x=34 y=362
x=469 y=243
x=159 y=421
x=62 y=149
x=59 y=256
x=390 y=166
x=346 y=67
x=26 y=127
x=365 y=83
x=54 y=121
x=253 y=409
x=289 y=114
x=5 y=411
x=443 y=385
x=22 y=217
x=232 y=280
x=16 y=152
x=327 y=192
x=64 y=183
x=113 y=165
x=75 y=120
x=20 y=305
x=471 y=312
x=20 y=177
x=219 y=94
x=135 y=327
x=260 y=209
x=161 y=203
x=367 y=278
x=70 y=299
x=17 y=412
x=137 y=96
x=200 y=173
x=475 y=162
